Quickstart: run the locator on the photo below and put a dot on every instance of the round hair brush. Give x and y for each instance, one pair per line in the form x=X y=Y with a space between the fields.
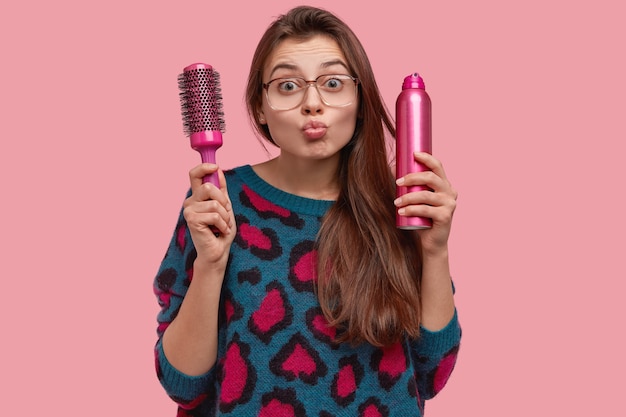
x=201 y=107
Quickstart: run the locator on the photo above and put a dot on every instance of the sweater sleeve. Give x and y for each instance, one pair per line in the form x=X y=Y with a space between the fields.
x=170 y=286
x=434 y=355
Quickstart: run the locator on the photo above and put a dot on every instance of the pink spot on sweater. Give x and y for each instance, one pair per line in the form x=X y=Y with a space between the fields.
x=229 y=310
x=162 y=327
x=164 y=298
x=262 y=204
x=297 y=359
x=321 y=325
x=443 y=372
x=180 y=237
x=271 y=312
x=346 y=383
x=393 y=361
x=371 y=411
x=253 y=236
x=235 y=375
x=305 y=267
x=300 y=362
x=277 y=409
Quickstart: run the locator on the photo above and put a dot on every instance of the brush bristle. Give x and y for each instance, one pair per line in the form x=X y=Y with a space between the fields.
x=201 y=100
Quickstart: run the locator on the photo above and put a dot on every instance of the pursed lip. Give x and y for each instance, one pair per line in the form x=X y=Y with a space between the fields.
x=314 y=129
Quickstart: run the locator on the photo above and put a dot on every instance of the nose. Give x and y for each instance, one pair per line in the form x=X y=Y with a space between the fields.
x=312 y=101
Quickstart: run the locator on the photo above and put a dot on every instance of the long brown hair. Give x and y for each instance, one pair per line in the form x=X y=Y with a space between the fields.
x=369 y=272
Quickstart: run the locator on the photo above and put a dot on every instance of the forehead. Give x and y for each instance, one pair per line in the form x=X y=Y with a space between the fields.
x=305 y=56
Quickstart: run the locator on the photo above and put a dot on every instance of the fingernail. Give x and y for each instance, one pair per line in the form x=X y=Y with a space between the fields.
x=400 y=181
x=397 y=201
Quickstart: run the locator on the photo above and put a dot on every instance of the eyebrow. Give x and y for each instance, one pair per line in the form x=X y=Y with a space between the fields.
x=294 y=67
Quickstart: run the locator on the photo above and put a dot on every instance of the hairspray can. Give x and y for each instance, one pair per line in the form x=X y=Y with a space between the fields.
x=413 y=134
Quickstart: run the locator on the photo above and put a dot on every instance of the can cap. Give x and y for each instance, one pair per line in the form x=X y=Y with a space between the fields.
x=413 y=81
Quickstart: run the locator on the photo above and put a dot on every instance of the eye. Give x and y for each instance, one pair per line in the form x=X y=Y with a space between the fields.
x=288 y=85
x=332 y=83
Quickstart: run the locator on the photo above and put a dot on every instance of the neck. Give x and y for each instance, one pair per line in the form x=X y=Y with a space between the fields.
x=316 y=179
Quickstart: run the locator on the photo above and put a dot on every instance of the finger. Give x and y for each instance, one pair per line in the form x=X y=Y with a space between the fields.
x=441 y=214
x=207 y=215
x=419 y=197
x=210 y=206
x=429 y=198
x=427 y=179
x=431 y=162
x=197 y=174
x=217 y=223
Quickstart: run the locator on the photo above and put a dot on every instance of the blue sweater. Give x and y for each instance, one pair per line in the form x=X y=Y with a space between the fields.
x=276 y=355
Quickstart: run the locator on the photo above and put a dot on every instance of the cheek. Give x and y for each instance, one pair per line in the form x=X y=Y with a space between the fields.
x=280 y=125
x=346 y=125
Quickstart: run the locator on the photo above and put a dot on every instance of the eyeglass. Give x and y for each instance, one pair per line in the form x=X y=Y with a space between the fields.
x=335 y=90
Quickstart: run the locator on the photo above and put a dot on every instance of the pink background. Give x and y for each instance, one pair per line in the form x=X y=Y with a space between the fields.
x=528 y=120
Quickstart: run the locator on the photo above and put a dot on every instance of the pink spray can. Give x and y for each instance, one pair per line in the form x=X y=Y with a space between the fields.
x=413 y=134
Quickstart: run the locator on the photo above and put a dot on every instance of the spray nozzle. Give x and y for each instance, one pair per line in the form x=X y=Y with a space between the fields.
x=413 y=81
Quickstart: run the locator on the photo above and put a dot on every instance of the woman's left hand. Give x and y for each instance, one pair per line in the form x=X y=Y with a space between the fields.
x=438 y=204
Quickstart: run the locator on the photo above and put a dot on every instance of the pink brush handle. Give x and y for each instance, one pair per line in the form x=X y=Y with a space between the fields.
x=208 y=155
x=206 y=143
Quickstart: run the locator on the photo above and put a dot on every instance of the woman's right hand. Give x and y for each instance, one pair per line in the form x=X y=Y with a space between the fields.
x=190 y=341
x=208 y=209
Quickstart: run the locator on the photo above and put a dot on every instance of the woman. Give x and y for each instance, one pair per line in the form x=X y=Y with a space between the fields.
x=309 y=301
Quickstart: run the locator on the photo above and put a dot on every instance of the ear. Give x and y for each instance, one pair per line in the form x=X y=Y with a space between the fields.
x=261 y=117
